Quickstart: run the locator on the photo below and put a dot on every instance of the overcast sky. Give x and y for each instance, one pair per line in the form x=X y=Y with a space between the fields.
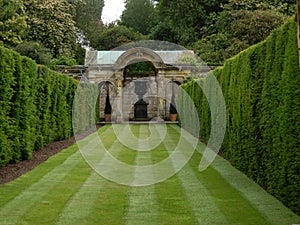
x=112 y=10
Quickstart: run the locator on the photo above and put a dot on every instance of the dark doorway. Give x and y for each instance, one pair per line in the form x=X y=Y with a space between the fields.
x=140 y=110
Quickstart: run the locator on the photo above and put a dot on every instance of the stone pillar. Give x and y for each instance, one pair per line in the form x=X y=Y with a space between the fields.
x=158 y=97
x=99 y=102
x=119 y=105
x=161 y=93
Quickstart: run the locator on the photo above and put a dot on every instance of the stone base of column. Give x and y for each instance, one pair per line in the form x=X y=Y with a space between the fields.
x=119 y=119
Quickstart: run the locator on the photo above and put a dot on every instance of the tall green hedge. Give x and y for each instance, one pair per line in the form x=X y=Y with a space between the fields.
x=261 y=87
x=85 y=107
x=35 y=106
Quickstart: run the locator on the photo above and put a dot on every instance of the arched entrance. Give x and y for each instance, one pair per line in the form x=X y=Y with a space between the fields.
x=140 y=92
x=107 y=94
x=138 y=96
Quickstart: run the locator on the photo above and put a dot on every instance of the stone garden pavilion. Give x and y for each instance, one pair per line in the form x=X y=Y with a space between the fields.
x=138 y=96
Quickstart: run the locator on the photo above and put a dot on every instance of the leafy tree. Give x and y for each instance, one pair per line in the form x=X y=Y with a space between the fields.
x=79 y=54
x=253 y=26
x=88 y=20
x=115 y=36
x=35 y=51
x=216 y=26
x=12 y=22
x=233 y=31
x=139 y=15
x=139 y=68
x=52 y=24
x=286 y=7
x=63 y=60
x=163 y=32
x=187 y=17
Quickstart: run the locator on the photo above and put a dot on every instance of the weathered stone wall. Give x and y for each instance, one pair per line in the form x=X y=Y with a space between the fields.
x=110 y=66
x=158 y=97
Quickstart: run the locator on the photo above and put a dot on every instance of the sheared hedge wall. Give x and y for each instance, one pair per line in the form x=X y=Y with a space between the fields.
x=35 y=106
x=261 y=87
x=85 y=107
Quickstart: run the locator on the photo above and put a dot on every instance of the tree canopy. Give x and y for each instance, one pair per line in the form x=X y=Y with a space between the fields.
x=139 y=15
x=114 y=36
x=186 y=17
x=88 y=20
x=51 y=28
x=51 y=23
x=215 y=29
x=12 y=22
x=233 y=31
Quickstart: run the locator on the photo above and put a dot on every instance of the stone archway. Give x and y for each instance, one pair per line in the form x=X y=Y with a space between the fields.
x=140 y=90
x=138 y=54
x=130 y=101
x=110 y=65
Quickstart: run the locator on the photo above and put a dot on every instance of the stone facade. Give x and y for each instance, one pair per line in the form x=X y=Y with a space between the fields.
x=107 y=67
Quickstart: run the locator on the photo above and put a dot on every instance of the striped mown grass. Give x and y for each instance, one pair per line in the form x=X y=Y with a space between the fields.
x=65 y=190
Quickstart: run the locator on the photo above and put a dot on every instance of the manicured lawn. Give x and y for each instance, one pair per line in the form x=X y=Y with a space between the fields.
x=65 y=190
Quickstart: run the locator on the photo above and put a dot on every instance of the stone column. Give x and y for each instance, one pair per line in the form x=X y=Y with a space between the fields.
x=119 y=110
x=99 y=102
x=158 y=97
x=161 y=93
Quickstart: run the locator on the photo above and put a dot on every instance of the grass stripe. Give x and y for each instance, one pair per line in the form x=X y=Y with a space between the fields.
x=174 y=207
x=91 y=194
x=99 y=201
x=13 y=211
x=111 y=201
x=270 y=207
x=10 y=190
x=231 y=203
x=105 y=161
x=84 y=200
x=142 y=206
x=204 y=207
x=51 y=204
x=65 y=190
